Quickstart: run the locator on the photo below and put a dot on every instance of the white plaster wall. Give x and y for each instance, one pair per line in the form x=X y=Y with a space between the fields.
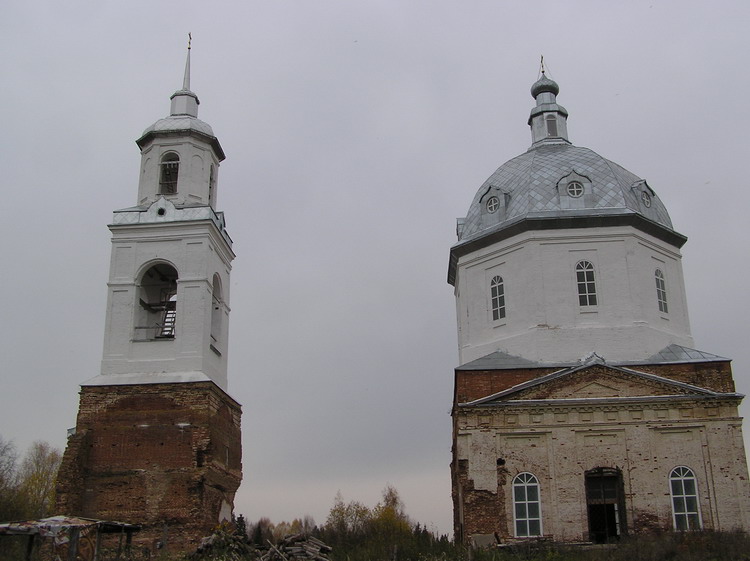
x=197 y=251
x=196 y=158
x=544 y=321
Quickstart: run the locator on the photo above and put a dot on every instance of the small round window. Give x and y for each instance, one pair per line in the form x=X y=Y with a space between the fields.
x=646 y=198
x=575 y=189
x=493 y=204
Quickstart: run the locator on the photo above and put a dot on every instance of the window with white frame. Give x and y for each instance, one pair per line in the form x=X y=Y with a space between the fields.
x=586 y=283
x=661 y=291
x=684 y=491
x=497 y=298
x=575 y=189
x=527 y=506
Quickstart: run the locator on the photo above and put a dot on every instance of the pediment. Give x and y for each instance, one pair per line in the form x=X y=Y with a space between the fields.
x=598 y=381
x=597 y=389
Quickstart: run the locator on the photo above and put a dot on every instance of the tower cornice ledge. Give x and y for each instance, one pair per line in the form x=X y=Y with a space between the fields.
x=182 y=127
x=172 y=214
x=566 y=220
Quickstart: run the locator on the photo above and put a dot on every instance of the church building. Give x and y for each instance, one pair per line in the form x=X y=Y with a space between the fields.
x=157 y=438
x=582 y=410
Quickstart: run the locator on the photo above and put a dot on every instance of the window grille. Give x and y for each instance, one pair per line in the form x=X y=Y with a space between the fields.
x=527 y=506
x=170 y=170
x=497 y=297
x=586 y=283
x=661 y=291
x=684 y=491
x=575 y=189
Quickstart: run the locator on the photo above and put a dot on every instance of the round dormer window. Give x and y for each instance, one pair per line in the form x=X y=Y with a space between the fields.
x=575 y=189
x=646 y=198
x=493 y=204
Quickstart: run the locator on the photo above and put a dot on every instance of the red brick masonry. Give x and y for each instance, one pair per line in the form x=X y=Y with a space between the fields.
x=166 y=456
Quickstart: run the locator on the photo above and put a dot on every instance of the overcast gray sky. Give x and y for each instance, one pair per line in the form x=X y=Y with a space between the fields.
x=355 y=133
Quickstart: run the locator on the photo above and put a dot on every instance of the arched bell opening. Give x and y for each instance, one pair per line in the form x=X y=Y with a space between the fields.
x=156 y=313
x=168 y=173
x=217 y=309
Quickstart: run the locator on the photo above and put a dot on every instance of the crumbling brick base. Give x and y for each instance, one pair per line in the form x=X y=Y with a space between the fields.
x=166 y=456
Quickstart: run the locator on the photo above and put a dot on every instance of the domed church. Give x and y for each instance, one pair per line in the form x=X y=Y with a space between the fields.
x=582 y=410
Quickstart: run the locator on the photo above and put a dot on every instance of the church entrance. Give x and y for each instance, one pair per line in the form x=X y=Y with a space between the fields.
x=605 y=504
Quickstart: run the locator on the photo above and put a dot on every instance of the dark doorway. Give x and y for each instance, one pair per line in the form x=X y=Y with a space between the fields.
x=605 y=504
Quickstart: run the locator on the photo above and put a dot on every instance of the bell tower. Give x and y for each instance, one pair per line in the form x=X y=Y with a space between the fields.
x=157 y=439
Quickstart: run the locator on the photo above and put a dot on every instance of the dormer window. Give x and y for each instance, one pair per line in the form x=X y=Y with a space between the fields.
x=575 y=189
x=170 y=169
x=646 y=198
x=551 y=125
x=493 y=204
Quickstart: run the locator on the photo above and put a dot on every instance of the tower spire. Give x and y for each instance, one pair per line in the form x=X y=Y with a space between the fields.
x=184 y=101
x=186 y=79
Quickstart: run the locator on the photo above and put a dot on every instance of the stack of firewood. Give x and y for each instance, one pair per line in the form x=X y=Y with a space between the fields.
x=297 y=547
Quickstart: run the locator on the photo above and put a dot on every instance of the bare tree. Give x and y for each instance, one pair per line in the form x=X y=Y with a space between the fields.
x=38 y=475
x=10 y=504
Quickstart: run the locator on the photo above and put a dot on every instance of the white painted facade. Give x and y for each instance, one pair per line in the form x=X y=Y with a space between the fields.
x=543 y=319
x=168 y=309
x=533 y=221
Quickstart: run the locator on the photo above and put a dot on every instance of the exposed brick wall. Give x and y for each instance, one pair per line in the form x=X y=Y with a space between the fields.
x=475 y=384
x=163 y=455
x=716 y=376
x=559 y=441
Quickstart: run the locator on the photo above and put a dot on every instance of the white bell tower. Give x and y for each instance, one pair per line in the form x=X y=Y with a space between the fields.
x=157 y=440
x=168 y=302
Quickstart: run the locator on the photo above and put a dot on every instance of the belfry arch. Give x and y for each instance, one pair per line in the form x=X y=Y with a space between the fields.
x=156 y=312
x=217 y=309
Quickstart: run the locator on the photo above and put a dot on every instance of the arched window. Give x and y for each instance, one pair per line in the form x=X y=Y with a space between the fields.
x=551 y=125
x=156 y=317
x=497 y=297
x=211 y=185
x=586 y=283
x=217 y=311
x=170 y=169
x=527 y=506
x=661 y=291
x=684 y=491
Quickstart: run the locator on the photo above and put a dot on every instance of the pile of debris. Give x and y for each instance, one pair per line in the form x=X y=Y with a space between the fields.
x=297 y=547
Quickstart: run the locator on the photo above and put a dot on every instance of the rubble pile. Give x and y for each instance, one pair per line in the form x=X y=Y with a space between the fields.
x=297 y=547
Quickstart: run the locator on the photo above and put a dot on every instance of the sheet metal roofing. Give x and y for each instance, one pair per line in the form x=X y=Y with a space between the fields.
x=533 y=184
x=530 y=183
x=668 y=355
x=180 y=123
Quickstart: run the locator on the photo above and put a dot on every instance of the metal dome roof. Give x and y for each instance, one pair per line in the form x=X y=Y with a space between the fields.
x=544 y=84
x=180 y=123
x=534 y=185
x=555 y=185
